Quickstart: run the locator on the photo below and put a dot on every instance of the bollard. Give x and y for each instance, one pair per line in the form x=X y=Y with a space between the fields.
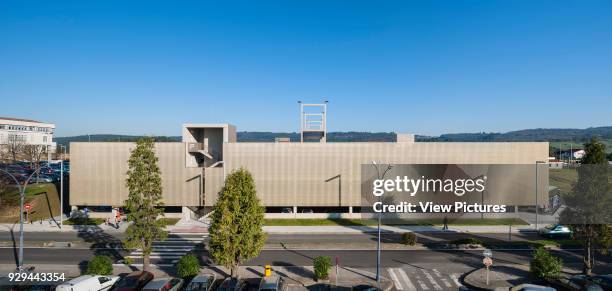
x=267 y=271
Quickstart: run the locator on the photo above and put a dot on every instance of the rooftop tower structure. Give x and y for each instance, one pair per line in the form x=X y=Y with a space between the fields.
x=313 y=126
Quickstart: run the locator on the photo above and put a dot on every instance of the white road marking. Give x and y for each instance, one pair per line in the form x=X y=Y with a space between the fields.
x=431 y=280
x=421 y=283
x=446 y=282
x=409 y=284
x=456 y=279
x=398 y=284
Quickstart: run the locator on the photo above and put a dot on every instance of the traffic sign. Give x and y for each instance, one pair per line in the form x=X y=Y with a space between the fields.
x=487 y=261
x=487 y=253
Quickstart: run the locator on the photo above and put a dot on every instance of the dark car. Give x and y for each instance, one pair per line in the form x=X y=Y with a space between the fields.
x=232 y=284
x=604 y=281
x=582 y=282
x=133 y=281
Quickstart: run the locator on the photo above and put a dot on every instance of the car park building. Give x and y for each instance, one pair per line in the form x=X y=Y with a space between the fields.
x=312 y=173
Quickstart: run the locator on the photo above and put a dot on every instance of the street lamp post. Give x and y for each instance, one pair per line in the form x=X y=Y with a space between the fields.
x=61 y=218
x=21 y=202
x=376 y=166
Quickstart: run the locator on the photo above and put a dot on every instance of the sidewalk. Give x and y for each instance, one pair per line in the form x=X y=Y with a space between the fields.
x=335 y=229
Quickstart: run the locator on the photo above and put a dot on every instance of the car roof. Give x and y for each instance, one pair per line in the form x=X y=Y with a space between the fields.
x=269 y=282
x=158 y=283
x=202 y=278
x=80 y=279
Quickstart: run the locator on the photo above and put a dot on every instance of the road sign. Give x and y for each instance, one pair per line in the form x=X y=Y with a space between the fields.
x=487 y=253
x=487 y=261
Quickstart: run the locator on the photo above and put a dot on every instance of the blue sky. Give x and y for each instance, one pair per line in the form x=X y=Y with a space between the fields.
x=427 y=67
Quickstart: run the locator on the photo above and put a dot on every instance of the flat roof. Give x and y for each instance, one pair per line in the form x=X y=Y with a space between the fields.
x=21 y=119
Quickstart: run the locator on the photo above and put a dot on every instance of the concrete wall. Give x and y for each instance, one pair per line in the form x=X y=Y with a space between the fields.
x=328 y=174
x=98 y=174
x=286 y=174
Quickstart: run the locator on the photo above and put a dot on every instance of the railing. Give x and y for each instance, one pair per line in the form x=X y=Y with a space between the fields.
x=196 y=146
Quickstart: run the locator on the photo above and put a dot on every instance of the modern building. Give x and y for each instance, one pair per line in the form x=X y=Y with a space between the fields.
x=314 y=174
x=27 y=132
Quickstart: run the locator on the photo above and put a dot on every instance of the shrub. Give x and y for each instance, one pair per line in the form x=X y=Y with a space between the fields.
x=467 y=241
x=100 y=265
x=544 y=265
x=322 y=264
x=409 y=238
x=188 y=266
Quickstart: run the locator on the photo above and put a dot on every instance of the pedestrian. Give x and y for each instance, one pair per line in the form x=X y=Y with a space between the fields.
x=117 y=219
x=445 y=227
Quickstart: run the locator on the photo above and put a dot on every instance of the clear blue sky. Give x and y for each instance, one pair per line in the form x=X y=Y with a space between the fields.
x=425 y=67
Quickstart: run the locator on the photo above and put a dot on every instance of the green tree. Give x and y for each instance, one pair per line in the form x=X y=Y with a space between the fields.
x=100 y=265
x=589 y=204
x=236 y=233
x=144 y=201
x=544 y=265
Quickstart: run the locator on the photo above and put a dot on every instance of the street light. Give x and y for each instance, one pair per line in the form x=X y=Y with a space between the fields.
x=380 y=177
x=61 y=218
x=22 y=198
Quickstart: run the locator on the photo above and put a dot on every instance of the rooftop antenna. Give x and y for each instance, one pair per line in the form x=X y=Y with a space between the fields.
x=313 y=125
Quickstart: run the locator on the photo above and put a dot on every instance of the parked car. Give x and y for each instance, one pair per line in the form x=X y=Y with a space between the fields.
x=42 y=179
x=604 y=281
x=88 y=283
x=272 y=283
x=134 y=281
x=232 y=284
x=306 y=210
x=287 y=210
x=365 y=287
x=164 y=284
x=531 y=287
x=556 y=231
x=201 y=283
x=582 y=282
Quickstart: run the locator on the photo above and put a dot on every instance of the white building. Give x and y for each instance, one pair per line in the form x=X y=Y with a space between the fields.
x=27 y=132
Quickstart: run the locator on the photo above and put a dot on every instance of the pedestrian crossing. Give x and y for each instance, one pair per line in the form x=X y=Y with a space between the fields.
x=171 y=249
x=412 y=278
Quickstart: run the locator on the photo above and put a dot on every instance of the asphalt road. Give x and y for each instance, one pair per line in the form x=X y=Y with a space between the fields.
x=273 y=238
x=302 y=258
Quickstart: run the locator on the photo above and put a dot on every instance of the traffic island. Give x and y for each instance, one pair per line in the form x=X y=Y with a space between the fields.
x=500 y=277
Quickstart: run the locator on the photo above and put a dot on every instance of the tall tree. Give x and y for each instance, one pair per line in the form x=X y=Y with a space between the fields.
x=589 y=204
x=236 y=233
x=144 y=203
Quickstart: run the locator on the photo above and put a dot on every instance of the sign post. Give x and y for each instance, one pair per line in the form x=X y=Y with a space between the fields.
x=487 y=261
x=337 y=263
x=27 y=208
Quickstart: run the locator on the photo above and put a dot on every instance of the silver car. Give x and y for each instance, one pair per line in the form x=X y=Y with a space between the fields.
x=164 y=284
x=201 y=283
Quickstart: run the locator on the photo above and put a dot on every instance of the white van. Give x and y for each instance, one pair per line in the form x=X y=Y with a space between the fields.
x=88 y=283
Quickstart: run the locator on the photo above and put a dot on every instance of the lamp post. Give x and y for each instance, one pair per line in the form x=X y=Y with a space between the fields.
x=21 y=202
x=61 y=218
x=380 y=176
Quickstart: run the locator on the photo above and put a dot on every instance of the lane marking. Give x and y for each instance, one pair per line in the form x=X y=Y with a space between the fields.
x=421 y=283
x=431 y=280
x=456 y=280
x=406 y=279
x=446 y=282
x=396 y=281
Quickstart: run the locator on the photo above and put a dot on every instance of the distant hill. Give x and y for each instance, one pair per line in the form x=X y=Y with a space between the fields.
x=539 y=134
